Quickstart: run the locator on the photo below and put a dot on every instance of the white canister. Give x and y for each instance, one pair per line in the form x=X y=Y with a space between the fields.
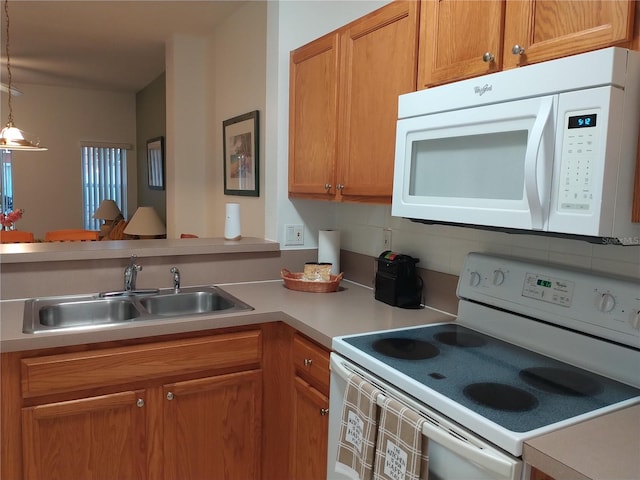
x=232 y=222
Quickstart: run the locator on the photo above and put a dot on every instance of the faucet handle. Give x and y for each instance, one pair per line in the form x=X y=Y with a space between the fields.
x=176 y=278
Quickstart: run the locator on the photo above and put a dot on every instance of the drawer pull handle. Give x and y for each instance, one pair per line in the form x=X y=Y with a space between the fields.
x=324 y=411
x=308 y=362
x=170 y=396
x=140 y=403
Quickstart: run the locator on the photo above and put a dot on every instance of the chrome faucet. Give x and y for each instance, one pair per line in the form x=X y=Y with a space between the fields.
x=176 y=279
x=131 y=273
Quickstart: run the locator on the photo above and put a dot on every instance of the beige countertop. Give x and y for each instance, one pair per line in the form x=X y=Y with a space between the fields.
x=320 y=316
x=605 y=448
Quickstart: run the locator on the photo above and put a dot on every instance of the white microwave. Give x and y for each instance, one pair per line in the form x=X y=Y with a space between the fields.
x=547 y=148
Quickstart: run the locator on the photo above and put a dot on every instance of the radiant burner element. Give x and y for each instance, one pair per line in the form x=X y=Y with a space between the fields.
x=457 y=338
x=406 y=348
x=561 y=381
x=501 y=397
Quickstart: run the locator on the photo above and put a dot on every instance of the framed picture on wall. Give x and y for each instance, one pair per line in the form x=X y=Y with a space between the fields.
x=241 y=163
x=155 y=163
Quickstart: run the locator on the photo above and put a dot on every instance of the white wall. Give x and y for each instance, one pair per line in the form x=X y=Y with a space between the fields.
x=238 y=70
x=211 y=79
x=48 y=185
x=441 y=248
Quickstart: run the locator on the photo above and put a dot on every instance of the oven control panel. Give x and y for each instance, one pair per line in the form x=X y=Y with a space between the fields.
x=548 y=289
x=605 y=306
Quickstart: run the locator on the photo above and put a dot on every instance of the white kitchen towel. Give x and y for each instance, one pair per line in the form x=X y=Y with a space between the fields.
x=358 y=429
x=401 y=448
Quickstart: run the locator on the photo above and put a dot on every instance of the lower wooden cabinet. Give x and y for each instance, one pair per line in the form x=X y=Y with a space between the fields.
x=231 y=404
x=212 y=427
x=178 y=409
x=310 y=432
x=100 y=437
x=310 y=410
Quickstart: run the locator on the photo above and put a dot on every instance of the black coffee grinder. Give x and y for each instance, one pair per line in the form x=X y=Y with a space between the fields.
x=397 y=282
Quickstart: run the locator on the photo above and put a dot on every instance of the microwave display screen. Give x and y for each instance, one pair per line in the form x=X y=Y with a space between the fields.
x=583 y=121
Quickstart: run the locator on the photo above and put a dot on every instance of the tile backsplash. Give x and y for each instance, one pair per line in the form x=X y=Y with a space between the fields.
x=442 y=248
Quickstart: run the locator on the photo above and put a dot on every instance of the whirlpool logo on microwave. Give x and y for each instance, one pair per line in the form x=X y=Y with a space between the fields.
x=482 y=90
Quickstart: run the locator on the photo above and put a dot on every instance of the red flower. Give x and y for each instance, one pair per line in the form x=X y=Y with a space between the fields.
x=10 y=218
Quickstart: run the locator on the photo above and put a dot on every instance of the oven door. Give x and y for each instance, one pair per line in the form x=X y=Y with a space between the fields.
x=489 y=165
x=453 y=452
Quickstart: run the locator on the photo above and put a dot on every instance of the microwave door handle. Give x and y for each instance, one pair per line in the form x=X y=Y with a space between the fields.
x=535 y=149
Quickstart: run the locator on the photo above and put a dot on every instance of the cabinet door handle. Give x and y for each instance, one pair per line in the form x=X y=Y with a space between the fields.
x=327 y=186
x=340 y=187
x=170 y=396
x=140 y=403
x=308 y=362
x=517 y=50
x=488 y=57
x=324 y=411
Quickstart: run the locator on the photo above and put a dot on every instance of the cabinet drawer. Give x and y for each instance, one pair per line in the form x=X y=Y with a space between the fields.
x=112 y=366
x=312 y=361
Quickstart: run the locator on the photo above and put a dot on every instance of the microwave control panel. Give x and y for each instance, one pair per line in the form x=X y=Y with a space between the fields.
x=578 y=153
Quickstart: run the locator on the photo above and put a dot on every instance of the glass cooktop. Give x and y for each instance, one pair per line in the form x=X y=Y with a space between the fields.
x=516 y=388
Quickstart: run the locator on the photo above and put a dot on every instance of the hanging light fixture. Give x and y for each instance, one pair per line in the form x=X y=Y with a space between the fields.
x=11 y=137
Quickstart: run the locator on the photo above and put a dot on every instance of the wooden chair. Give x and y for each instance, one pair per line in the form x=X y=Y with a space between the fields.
x=16 y=236
x=117 y=231
x=72 y=235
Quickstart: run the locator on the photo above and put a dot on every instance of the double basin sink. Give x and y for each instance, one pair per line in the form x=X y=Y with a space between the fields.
x=52 y=314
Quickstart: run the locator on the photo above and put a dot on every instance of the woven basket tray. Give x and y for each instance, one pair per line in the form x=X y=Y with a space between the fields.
x=294 y=281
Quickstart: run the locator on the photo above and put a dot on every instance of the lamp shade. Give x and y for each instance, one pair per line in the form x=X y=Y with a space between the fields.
x=108 y=210
x=145 y=222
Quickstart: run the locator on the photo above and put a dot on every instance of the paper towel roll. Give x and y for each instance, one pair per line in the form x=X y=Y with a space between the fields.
x=329 y=249
x=232 y=222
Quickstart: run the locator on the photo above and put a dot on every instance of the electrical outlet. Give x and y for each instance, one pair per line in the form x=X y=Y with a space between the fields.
x=294 y=235
x=386 y=239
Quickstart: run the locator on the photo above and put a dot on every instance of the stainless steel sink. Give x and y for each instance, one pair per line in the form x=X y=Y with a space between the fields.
x=190 y=301
x=89 y=312
x=186 y=303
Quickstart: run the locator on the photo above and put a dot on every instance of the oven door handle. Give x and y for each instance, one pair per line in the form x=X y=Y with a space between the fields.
x=487 y=459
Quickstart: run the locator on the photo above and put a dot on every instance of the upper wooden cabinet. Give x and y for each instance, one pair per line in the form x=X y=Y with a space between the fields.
x=463 y=39
x=454 y=38
x=344 y=91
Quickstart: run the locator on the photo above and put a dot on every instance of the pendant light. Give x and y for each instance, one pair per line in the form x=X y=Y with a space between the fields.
x=11 y=137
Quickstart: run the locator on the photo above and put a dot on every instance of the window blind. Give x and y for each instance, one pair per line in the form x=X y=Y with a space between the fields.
x=104 y=177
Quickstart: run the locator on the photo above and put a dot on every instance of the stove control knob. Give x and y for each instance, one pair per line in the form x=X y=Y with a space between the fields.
x=474 y=279
x=498 y=277
x=635 y=320
x=606 y=302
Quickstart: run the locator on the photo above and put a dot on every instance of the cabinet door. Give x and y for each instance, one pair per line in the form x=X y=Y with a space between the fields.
x=555 y=28
x=212 y=427
x=313 y=90
x=454 y=38
x=379 y=62
x=310 y=432
x=97 y=438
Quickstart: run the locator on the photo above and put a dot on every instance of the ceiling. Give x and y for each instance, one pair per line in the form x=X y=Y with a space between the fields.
x=106 y=45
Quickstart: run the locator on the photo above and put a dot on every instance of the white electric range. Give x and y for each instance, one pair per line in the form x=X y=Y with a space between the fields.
x=535 y=347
